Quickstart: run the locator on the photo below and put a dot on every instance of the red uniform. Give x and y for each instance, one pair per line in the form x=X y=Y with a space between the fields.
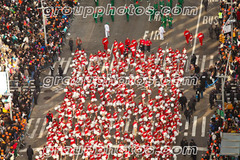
x=187 y=35
x=105 y=43
x=127 y=42
x=200 y=37
x=121 y=47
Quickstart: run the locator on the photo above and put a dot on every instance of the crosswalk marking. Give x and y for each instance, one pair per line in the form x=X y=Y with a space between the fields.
x=197 y=59
x=194 y=126
x=203 y=126
x=156 y=36
x=42 y=129
x=211 y=60
x=62 y=60
x=67 y=65
x=203 y=63
x=36 y=127
x=186 y=128
x=29 y=123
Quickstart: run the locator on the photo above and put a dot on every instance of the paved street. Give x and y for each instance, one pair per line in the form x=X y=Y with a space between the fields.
x=91 y=34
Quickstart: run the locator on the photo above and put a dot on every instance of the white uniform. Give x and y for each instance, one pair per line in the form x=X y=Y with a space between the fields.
x=107 y=30
x=161 y=31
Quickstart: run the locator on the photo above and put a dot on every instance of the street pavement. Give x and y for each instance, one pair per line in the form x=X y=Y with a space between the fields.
x=138 y=27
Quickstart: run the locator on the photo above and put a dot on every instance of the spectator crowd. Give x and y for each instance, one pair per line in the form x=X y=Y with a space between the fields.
x=23 y=55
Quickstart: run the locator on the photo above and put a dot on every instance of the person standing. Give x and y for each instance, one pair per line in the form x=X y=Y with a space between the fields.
x=107 y=30
x=200 y=37
x=95 y=15
x=220 y=17
x=217 y=31
x=127 y=13
x=181 y=2
x=51 y=69
x=60 y=70
x=112 y=2
x=211 y=99
x=170 y=19
x=127 y=42
x=210 y=30
x=205 y=3
x=148 y=44
x=188 y=114
x=105 y=43
x=184 y=145
x=112 y=13
x=191 y=39
x=193 y=60
x=194 y=147
x=187 y=35
x=49 y=117
x=161 y=32
x=164 y=21
x=182 y=100
x=96 y=2
x=100 y=13
x=30 y=152
x=78 y=43
x=142 y=43
x=70 y=43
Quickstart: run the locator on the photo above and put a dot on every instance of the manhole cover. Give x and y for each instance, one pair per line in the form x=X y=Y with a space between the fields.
x=48 y=90
x=47 y=98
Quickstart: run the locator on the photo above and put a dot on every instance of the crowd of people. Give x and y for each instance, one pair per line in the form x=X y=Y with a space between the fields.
x=23 y=55
x=229 y=121
x=95 y=125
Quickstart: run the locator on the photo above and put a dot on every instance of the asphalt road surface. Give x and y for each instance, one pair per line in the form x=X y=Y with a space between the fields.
x=138 y=27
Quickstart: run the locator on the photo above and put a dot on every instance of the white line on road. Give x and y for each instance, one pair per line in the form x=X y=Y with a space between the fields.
x=42 y=129
x=203 y=126
x=204 y=149
x=197 y=59
x=36 y=127
x=67 y=65
x=186 y=128
x=211 y=60
x=30 y=122
x=62 y=60
x=196 y=33
x=203 y=63
x=194 y=126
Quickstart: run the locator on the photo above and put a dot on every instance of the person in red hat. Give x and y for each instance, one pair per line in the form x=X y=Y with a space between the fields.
x=105 y=43
x=187 y=35
x=200 y=37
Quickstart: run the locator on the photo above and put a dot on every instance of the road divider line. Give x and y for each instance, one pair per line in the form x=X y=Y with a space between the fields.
x=67 y=65
x=197 y=59
x=194 y=126
x=211 y=60
x=203 y=126
x=42 y=129
x=203 y=63
x=186 y=128
x=36 y=127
